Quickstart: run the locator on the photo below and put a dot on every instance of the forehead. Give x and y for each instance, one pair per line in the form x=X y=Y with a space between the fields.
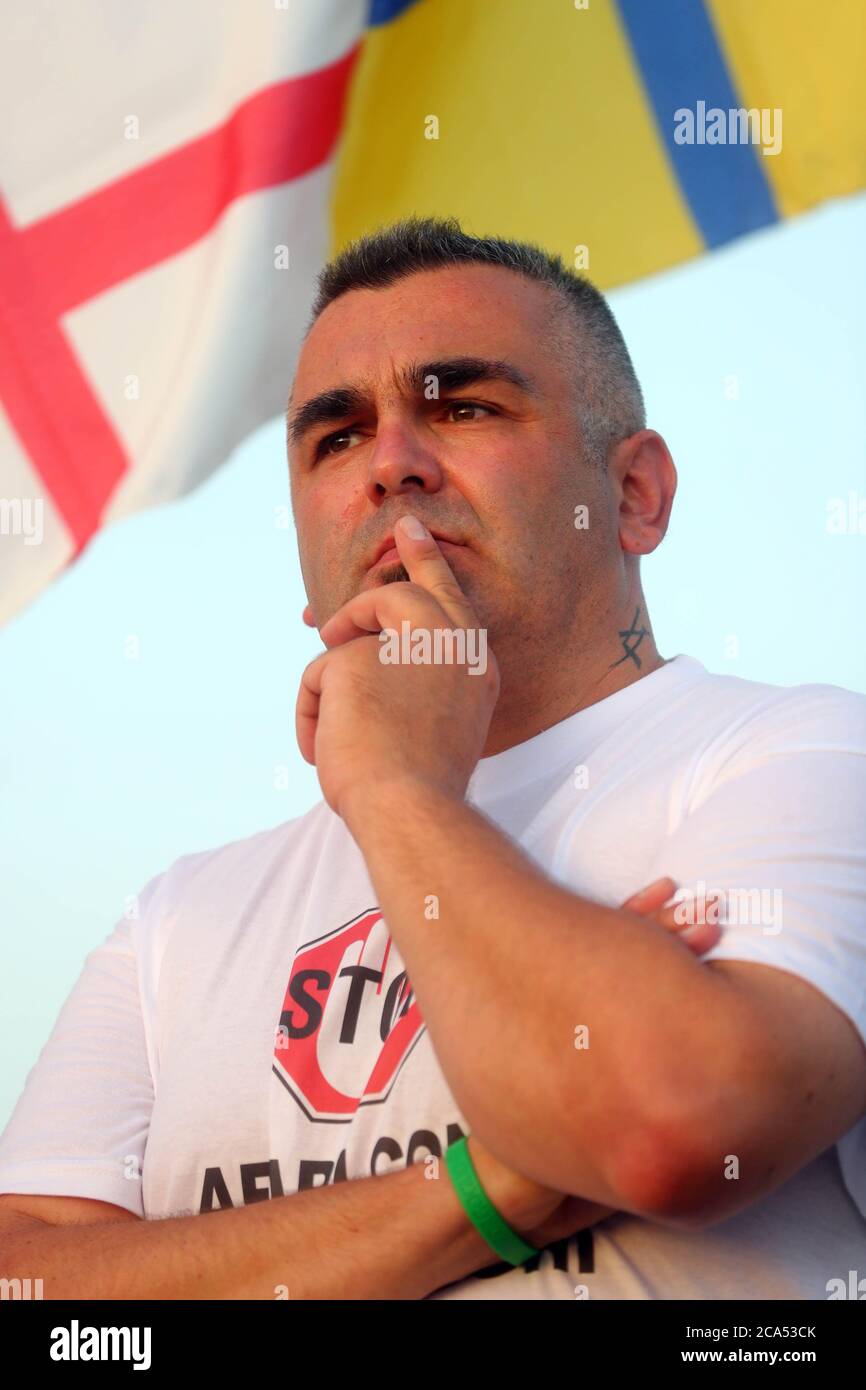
x=467 y=310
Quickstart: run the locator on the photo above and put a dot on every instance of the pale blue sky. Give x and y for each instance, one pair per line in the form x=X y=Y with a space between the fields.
x=113 y=767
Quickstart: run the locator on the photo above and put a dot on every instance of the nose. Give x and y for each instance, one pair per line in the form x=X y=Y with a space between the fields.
x=401 y=462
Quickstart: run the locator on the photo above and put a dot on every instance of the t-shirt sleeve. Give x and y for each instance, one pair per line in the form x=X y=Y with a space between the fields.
x=777 y=822
x=80 y=1126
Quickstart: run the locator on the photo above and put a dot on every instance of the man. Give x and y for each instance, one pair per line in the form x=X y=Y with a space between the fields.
x=438 y=949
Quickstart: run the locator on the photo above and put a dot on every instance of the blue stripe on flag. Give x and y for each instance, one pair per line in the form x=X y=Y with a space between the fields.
x=383 y=11
x=681 y=63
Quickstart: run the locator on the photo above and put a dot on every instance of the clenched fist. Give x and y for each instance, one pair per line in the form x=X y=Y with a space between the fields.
x=364 y=718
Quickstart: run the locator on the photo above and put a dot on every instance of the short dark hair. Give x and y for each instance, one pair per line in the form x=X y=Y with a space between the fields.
x=609 y=399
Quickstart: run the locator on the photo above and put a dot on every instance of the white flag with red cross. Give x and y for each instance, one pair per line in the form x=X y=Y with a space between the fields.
x=164 y=184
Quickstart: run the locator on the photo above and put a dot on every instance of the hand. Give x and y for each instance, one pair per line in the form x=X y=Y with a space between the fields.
x=541 y=1214
x=650 y=902
x=364 y=723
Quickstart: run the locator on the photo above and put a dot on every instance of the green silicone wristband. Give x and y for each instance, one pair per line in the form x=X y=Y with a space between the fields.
x=505 y=1242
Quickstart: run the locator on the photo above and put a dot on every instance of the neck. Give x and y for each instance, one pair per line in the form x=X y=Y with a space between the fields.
x=619 y=656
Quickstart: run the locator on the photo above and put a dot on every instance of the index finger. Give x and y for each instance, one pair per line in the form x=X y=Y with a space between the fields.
x=426 y=565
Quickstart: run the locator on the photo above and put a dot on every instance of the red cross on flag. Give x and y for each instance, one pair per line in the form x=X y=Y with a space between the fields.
x=164 y=184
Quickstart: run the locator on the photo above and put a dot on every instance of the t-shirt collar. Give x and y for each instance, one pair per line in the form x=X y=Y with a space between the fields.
x=525 y=762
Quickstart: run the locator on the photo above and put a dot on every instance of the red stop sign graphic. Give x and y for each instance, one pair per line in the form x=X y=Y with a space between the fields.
x=349 y=1020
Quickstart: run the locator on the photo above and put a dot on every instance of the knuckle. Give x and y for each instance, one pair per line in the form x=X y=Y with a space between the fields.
x=416 y=596
x=317 y=662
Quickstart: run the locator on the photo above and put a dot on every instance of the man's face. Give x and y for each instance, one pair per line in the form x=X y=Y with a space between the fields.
x=494 y=464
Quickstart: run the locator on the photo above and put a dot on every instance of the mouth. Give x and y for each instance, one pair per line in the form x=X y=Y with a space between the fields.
x=386 y=552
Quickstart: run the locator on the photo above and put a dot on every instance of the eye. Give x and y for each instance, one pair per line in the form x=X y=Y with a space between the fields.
x=455 y=406
x=334 y=443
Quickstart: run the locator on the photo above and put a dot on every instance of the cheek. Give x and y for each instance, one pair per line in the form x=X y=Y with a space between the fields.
x=326 y=522
x=512 y=503
x=321 y=513
x=495 y=489
x=529 y=510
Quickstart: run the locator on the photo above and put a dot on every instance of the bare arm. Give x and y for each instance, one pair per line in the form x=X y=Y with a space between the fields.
x=395 y=1236
x=523 y=962
x=398 y=1236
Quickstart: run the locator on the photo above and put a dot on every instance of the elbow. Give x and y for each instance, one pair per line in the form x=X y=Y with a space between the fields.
x=667 y=1179
x=680 y=1165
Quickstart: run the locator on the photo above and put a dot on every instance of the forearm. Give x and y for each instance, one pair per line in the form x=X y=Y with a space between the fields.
x=398 y=1236
x=511 y=967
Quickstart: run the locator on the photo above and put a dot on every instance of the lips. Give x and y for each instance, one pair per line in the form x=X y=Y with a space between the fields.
x=386 y=551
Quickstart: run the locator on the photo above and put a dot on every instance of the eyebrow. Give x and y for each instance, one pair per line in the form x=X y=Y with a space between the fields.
x=324 y=409
x=452 y=373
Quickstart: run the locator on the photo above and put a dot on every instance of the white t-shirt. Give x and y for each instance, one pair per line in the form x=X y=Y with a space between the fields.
x=250 y=1032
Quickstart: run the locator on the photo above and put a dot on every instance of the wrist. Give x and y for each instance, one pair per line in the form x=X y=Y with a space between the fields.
x=388 y=800
x=519 y=1201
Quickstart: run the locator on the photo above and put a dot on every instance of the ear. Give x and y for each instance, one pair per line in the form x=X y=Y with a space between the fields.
x=642 y=471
